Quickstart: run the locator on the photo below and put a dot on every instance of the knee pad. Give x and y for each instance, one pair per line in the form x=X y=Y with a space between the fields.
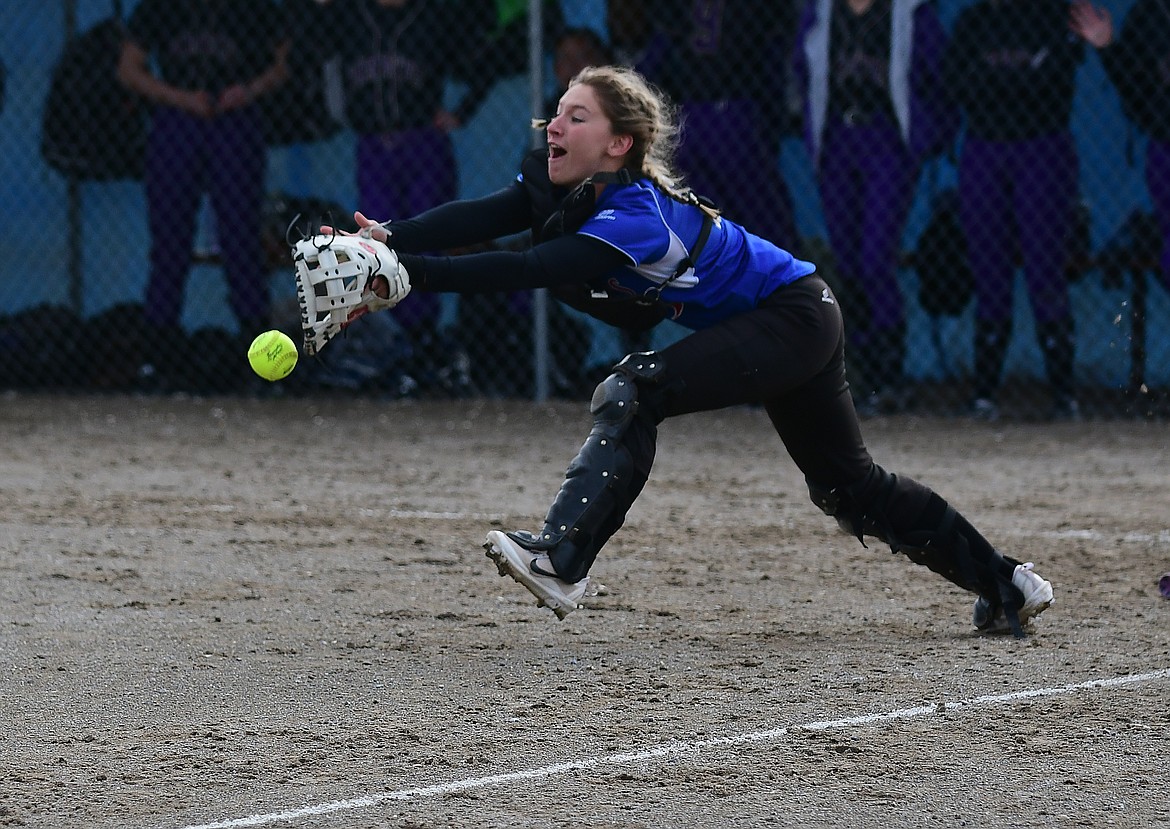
x=647 y=370
x=620 y=397
x=614 y=405
x=647 y=366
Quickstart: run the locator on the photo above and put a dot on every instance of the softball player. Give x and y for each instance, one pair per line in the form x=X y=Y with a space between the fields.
x=1012 y=69
x=215 y=61
x=617 y=235
x=870 y=74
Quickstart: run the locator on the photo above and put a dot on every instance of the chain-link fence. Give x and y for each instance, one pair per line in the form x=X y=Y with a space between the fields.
x=972 y=179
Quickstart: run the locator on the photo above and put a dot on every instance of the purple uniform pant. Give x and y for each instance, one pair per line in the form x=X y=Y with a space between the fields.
x=867 y=178
x=1158 y=184
x=399 y=175
x=726 y=157
x=1019 y=196
x=225 y=158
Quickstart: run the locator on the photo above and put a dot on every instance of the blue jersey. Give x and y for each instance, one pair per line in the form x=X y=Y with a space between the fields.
x=734 y=272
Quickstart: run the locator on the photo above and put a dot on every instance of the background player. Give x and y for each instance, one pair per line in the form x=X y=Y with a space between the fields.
x=215 y=60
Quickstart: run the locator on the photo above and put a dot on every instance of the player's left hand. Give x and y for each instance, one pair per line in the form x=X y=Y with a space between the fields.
x=341 y=277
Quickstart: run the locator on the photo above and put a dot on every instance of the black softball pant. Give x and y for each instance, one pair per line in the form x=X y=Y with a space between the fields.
x=788 y=355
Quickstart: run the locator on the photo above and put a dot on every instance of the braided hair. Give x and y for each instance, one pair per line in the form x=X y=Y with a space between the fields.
x=637 y=108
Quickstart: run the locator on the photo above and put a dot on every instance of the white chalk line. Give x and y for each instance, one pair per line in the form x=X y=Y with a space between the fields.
x=1158 y=536
x=675 y=748
x=438 y=516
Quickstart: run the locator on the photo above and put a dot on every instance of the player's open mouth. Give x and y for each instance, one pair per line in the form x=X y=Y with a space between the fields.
x=555 y=152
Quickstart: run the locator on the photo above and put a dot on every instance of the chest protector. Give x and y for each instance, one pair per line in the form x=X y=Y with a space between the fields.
x=556 y=211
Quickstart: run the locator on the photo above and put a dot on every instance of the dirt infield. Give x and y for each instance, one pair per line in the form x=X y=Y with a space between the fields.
x=245 y=613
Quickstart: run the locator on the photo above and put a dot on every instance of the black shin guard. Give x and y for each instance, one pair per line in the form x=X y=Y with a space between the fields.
x=915 y=521
x=608 y=472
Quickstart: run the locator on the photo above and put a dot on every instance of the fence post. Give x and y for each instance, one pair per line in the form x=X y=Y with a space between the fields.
x=73 y=211
x=540 y=333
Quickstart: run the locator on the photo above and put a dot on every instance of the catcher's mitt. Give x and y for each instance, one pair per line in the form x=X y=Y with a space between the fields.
x=335 y=283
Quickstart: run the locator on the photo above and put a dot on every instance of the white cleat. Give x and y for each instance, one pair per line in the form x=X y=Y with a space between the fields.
x=535 y=572
x=993 y=618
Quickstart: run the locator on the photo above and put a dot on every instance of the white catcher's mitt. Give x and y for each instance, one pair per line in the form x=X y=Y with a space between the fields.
x=335 y=277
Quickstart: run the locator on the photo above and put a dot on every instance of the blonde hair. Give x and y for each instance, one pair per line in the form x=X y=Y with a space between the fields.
x=637 y=108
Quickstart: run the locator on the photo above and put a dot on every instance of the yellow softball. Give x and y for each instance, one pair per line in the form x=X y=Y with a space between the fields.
x=273 y=355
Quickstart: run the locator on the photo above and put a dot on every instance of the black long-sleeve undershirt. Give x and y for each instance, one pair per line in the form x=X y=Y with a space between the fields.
x=570 y=259
x=567 y=260
x=461 y=223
